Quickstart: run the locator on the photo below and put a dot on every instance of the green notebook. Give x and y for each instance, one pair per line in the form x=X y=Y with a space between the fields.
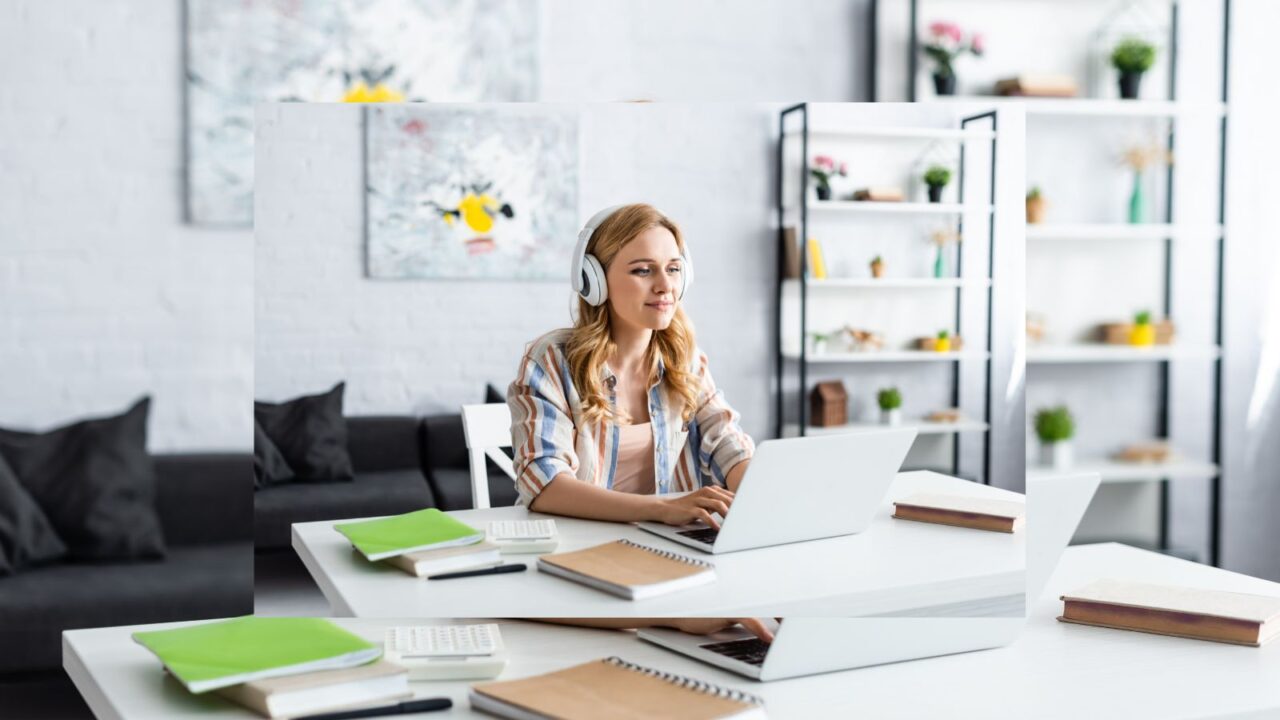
x=214 y=655
x=427 y=529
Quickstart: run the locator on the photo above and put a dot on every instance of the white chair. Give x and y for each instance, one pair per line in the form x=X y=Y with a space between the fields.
x=486 y=428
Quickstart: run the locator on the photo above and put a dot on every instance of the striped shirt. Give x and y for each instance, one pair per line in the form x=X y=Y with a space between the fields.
x=549 y=434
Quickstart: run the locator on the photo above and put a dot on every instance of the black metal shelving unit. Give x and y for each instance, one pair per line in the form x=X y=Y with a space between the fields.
x=800 y=365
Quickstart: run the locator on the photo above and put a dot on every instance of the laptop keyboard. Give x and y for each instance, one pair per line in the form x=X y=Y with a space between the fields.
x=750 y=651
x=702 y=535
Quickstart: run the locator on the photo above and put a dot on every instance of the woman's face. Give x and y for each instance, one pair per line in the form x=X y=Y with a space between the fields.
x=644 y=279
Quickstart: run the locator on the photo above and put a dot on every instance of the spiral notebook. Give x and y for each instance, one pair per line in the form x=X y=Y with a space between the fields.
x=614 y=688
x=629 y=570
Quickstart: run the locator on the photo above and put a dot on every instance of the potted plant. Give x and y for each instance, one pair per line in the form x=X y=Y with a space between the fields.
x=1143 y=332
x=1035 y=206
x=823 y=169
x=936 y=177
x=1055 y=428
x=818 y=342
x=1132 y=57
x=890 y=401
x=945 y=43
x=943 y=343
x=877 y=267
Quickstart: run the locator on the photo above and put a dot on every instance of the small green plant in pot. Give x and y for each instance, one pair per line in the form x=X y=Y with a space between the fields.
x=1143 y=333
x=890 y=402
x=1132 y=57
x=937 y=177
x=1055 y=427
x=1035 y=206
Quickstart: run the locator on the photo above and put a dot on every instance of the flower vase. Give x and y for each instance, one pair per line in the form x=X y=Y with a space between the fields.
x=938 y=263
x=944 y=84
x=1137 y=201
x=824 y=192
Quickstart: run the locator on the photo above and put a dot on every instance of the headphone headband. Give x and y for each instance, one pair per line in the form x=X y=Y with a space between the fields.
x=587 y=275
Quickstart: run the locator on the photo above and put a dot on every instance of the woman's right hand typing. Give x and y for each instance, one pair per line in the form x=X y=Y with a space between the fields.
x=697 y=505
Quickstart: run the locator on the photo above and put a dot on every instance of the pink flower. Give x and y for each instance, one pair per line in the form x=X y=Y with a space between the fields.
x=843 y=169
x=977 y=44
x=823 y=161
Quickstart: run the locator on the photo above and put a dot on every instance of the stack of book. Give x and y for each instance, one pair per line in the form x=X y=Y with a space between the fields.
x=278 y=667
x=423 y=543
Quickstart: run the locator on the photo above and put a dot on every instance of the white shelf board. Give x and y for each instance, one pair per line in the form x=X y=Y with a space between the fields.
x=1100 y=353
x=1098 y=107
x=1112 y=471
x=922 y=427
x=890 y=356
x=899 y=283
x=889 y=132
x=873 y=207
x=1118 y=231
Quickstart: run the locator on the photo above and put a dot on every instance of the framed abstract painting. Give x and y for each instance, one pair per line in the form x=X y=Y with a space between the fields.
x=463 y=192
x=246 y=52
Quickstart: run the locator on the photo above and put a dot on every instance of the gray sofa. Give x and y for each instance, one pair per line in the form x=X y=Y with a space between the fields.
x=205 y=507
x=401 y=464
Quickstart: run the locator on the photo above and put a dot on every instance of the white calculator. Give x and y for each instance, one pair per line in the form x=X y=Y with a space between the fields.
x=446 y=652
x=524 y=536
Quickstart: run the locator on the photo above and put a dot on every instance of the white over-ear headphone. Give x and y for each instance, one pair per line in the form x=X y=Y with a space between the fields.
x=587 y=274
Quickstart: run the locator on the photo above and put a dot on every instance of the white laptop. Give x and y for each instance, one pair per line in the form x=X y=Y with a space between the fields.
x=807 y=646
x=803 y=489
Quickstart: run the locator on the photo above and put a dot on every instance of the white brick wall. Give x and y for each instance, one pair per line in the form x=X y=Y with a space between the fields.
x=105 y=294
x=430 y=346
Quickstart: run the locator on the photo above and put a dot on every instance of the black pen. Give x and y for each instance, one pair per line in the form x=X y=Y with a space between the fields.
x=404 y=708
x=514 y=567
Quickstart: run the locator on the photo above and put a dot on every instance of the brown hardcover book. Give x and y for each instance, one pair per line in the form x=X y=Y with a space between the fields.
x=629 y=570
x=1038 y=85
x=961 y=511
x=790 y=253
x=376 y=683
x=613 y=688
x=879 y=194
x=1221 y=616
x=425 y=563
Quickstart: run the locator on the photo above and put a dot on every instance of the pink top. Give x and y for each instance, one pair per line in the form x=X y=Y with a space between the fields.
x=635 y=459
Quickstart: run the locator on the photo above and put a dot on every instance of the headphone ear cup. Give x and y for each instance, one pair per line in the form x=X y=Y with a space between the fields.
x=594 y=288
x=686 y=274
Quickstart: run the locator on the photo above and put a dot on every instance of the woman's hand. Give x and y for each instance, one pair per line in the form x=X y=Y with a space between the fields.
x=697 y=505
x=706 y=626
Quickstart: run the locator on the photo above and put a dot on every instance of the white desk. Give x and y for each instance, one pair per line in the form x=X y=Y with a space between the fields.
x=1054 y=670
x=894 y=567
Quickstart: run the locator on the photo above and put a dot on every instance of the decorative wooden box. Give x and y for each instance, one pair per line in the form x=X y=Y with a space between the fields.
x=828 y=404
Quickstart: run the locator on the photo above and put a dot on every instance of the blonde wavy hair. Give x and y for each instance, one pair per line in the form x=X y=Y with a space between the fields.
x=590 y=340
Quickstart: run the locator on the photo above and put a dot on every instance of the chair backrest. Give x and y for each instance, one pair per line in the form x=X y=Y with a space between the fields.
x=487 y=428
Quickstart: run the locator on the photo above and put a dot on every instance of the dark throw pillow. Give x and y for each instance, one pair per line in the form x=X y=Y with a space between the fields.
x=26 y=536
x=269 y=466
x=95 y=482
x=310 y=433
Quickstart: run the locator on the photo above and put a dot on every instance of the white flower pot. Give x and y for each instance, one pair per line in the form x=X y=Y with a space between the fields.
x=891 y=417
x=1056 y=455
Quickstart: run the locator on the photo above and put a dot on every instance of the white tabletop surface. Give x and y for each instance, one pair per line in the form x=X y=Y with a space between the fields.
x=1055 y=670
x=895 y=566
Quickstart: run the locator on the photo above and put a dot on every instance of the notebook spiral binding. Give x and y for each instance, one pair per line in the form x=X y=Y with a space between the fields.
x=668 y=554
x=689 y=683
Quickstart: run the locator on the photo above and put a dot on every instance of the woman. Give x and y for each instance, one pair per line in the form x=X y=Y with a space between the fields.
x=610 y=416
